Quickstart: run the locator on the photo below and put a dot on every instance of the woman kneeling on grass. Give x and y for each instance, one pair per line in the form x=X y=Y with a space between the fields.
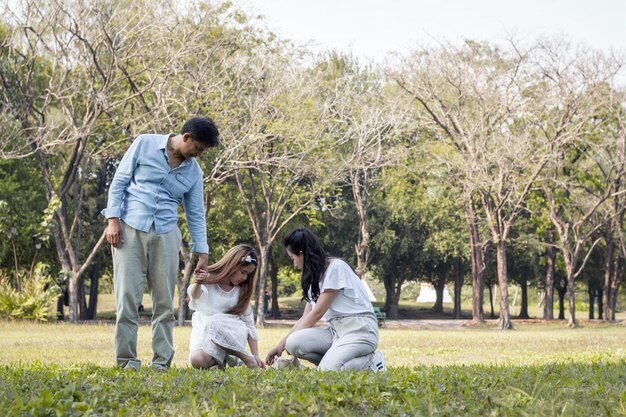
x=223 y=321
x=335 y=293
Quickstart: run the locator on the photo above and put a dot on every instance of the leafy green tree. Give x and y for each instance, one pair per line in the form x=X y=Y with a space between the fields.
x=24 y=242
x=62 y=75
x=81 y=80
x=426 y=218
x=471 y=97
x=567 y=103
x=276 y=163
x=523 y=262
x=367 y=122
x=396 y=255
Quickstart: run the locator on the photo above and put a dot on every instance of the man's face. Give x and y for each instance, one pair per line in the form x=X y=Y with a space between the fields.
x=191 y=148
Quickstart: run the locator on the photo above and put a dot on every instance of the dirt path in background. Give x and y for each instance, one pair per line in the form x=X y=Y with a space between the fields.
x=452 y=324
x=415 y=324
x=394 y=324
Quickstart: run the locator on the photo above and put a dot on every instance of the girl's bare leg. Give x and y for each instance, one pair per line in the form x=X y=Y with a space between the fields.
x=248 y=360
x=201 y=359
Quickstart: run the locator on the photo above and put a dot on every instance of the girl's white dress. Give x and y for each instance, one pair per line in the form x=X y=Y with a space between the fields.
x=213 y=328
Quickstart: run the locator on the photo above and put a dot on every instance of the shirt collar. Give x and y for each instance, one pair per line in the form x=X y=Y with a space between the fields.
x=163 y=147
x=163 y=140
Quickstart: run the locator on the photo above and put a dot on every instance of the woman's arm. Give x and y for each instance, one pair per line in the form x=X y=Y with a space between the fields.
x=321 y=306
x=278 y=350
x=310 y=317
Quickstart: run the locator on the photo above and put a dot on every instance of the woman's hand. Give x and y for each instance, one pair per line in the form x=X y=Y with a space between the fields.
x=274 y=353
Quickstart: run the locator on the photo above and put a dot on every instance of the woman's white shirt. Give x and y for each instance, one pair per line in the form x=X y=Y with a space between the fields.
x=351 y=298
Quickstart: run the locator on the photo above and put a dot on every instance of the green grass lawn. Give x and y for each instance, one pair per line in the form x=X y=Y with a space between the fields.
x=535 y=370
x=66 y=344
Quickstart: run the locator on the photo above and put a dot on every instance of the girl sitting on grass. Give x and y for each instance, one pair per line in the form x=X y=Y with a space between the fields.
x=222 y=322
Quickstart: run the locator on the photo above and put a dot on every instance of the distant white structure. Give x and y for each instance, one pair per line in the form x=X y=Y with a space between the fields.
x=429 y=295
x=370 y=294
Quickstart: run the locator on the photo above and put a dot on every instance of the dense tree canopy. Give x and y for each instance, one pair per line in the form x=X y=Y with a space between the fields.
x=459 y=159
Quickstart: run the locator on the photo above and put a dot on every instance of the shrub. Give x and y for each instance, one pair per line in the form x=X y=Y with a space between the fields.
x=35 y=300
x=288 y=281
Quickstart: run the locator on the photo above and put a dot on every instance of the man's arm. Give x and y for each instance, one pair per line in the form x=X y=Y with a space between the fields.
x=121 y=179
x=203 y=263
x=193 y=203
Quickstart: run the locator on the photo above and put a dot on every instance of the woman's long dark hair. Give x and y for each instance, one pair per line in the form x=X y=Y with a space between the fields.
x=303 y=241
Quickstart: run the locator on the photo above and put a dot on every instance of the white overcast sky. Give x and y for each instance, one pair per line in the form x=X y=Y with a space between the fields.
x=370 y=28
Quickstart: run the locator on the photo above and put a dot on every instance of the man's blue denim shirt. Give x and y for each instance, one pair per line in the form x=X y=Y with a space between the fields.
x=145 y=191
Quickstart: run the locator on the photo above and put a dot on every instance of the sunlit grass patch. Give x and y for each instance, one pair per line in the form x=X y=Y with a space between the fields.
x=65 y=344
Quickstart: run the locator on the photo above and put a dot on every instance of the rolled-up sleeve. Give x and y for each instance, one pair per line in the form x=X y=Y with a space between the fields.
x=121 y=179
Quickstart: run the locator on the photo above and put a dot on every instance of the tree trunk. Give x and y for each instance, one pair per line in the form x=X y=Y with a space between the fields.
x=608 y=271
x=72 y=292
x=439 y=283
x=571 y=297
x=275 y=311
x=562 y=290
x=82 y=300
x=392 y=311
x=599 y=293
x=94 y=273
x=503 y=284
x=478 y=265
x=362 y=245
x=75 y=275
x=492 y=313
x=94 y=277
x=615 y=284
x=523 y=314
x=392 y=295
x=183 y=284
x=60 y=307
x=262 y=284
x=548 y=303
x=458 y=285
x=591 y=292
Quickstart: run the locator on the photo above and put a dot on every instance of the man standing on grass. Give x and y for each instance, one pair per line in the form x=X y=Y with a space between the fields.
x=156 y=175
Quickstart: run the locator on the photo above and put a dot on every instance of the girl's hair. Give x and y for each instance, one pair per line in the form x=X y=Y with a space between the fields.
x=236 y=257
x=303 y=241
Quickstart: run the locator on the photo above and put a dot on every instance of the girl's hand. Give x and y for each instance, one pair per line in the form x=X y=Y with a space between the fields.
x=201 y=277
x=259 y=362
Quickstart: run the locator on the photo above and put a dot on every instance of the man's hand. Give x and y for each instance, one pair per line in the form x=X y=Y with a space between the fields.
x=114 y=233
x=203 y=263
